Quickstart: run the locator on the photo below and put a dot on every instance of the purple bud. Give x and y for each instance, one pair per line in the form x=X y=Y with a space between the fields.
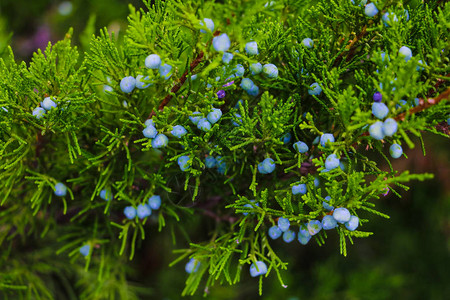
x=377 y=97
x=221 y=94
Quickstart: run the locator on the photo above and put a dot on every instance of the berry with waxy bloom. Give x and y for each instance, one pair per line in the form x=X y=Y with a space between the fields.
x=395 y=150
x=150 y=132
x=353 y=223
x=208 y=23
x=127 y=84
x=331 y=162
x=254 y=91
x=204 y=125
x=153 y=61
x=130 y=212
x=240 y=70
x=326 y=204
x=210 y=162
x=376 y=130
x=214 y=115
x=380 y=110
x=196 y=116
x=288 y=236
x=315 y=89
x=246 y=84
x=275 y=232
x=314 y=226
x=283 y=224
x=143 y=211
x=141 y=82
x=60 y=189
x=341 y=215
x=389 y=127
x=160 y=141
x=389 y=18
x=106 y=195
x=299 y=189
x=227 y=57
x=405 y=52
x=221 y=42
x=165 y=71
x=84 y=250
x=328 y=222
x=178 y=131
x=270 y=70
x=154 y=202
x=38 y=112
x=266 y=166
x=257 y=269
x=251 y=48
x=192 y=266
x=149 y=122
x=301 y=147
x=256 y=68
x=183 y=162
x=370 y=10
x=326 y=138
x=308 y=43
x=48 y=103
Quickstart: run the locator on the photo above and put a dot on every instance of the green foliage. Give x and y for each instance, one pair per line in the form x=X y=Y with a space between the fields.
x=93 y=140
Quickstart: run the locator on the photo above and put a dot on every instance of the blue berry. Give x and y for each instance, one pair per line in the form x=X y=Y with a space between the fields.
x=130 y=212
x=326 y=138
x=383 y=56
x=389 y=18
x=380 y=110
x=153 y=61
x=221 y=42
x=267 y=166
x=150 y=132
x=254 y=91
x=389 y=127
x=154 y=202
x=209 y=24
x=250 y=205
x=204 y=125
x=395 y=150
x=406 y=14
x=178 y=131
x=84 y=250
x=288 y=236
x=165 y=71
x=183 y=162
x=274 y=232
x=308 y=43
x=370 y=10
x=60 y=189
x=299 y=189
x=326 y=204
x=214 y=115
x=210 y=162
x=316 y=182
x=376 y=130
x=227 y=57
x=48 y=103
x=143 y=211
x=401 y=104
x=251 y=48
x=314 y=226
x=258 y=269
x=377 y=97
x=239 y=120
x=405 y=52
x=192 y=266
x=303 y=239
x=353 y=223
x=196 y=118
x=127 y=84
x=256 y=68
x=314 y=89
x=160 y=141
x=283 y=224
x=341 y=215
x=331 y=162
x=246 y=84
x=328 y=222
x=270 y=70
x=286 y=138
x=301 y=147
x=193 y=77
x=149 y=122
x=240 y=70
x=304 y=230
x=141 y=82
x=106 y=195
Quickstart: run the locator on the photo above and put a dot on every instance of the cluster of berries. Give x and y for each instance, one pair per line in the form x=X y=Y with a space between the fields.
x=143 y=210
x=46 y=105
x=159 y=140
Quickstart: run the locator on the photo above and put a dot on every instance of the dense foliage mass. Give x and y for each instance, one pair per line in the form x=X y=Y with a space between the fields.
x=269 y=118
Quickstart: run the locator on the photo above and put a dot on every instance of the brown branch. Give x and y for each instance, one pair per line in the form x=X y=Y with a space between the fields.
x=424 y=105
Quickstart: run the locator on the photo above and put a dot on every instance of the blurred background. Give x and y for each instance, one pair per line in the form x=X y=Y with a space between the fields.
x=406 y=258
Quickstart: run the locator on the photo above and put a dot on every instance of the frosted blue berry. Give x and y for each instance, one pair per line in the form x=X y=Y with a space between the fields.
x=84 y=250
x=314 y=89
x=196 y=116
x=395 y=150
x=314 y=226
x=150 y=132
x=389 y=127
x=48 y=103
x=254 y=91
x=251 y=48
x=246 y=84
x=401 y=104
x=214 y=115
x=227 y=57
x=331 y=162
x=149 y=122
x=106 y=195
x=250 y=205
x=304 y=230
x=204 y=125
x=210 y=162
x=353 y=223
x=389 y=19
x=257 y=269
x=130 y=212
x=283 y=224
x=406 y=14
x=405 y=52
x=160 y=141
x=239 y=69
x=165 y=71
x=303 y=239
x=326 y=204
x=268 y=165
x=286 y=138
x=380 y=110
x=154 y=202
x=239 y=120
x=383 y=56
x=288 y=236
x=316 y=182
x=301 y=147
x=60 y=189
x=308 y=43
x=153 y=61
x=209 y=24
x=370 y=10
x=193 y=77
x=328 y=222
x=299 y=189
x=270 y=70
x=183 y=162
x=377 y=97
x=256 y=68
x=192 y=266
x=376 y=130
x=178 y=131
x=143 y=211
x=275 y=232
x=419 y=67
x=141 y=82
x=127 y=84
x=341 y=215
x=221 y=42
